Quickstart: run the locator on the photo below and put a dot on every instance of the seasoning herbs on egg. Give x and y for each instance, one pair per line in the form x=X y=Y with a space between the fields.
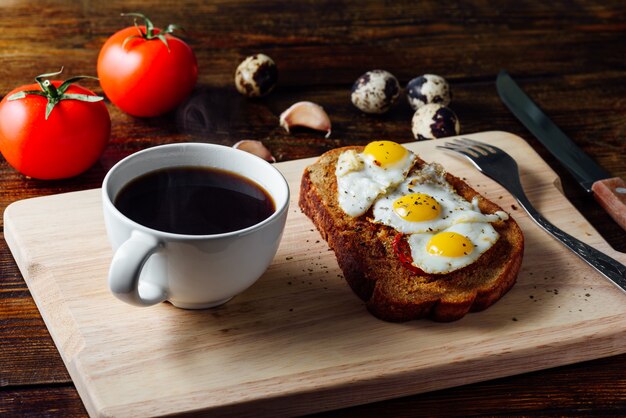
x=438 y=231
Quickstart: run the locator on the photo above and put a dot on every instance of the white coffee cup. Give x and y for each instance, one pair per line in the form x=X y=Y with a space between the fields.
x=190 y=271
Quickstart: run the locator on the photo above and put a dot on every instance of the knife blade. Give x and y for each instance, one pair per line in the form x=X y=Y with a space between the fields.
x=610 y=192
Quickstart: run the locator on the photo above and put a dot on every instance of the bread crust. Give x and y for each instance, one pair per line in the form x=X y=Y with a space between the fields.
x=370 y=265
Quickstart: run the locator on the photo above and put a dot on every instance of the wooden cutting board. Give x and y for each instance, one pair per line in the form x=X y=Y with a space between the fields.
x=299 y=340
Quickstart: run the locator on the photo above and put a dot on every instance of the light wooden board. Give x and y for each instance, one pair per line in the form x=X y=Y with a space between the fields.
x=299 y=340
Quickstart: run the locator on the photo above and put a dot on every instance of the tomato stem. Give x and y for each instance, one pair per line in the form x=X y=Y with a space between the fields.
x=150 y=33
x=56 y=94
x=50 y=90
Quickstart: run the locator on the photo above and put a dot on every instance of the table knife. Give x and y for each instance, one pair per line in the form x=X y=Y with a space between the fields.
x=610 y=192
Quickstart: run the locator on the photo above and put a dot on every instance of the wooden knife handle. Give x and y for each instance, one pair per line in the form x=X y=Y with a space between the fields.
x=611 y=194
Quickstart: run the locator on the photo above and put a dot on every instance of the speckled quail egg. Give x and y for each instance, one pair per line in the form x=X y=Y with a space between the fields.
x=375 y=91
x=434 y=121
x=256 y=76
x=428 y=88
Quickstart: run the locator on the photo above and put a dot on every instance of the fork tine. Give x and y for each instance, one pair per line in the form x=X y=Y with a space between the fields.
x=459 y=146
x=456 y=145
x=449 y=146
x=477 y=147
x=454 y=148
x=490 y=149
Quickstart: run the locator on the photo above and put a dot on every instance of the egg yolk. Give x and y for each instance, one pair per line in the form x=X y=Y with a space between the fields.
x=385 y=153
x=449 y=244
x=417 y=207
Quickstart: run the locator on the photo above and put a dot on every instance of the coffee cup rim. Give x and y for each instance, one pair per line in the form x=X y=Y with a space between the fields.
x=281 y=206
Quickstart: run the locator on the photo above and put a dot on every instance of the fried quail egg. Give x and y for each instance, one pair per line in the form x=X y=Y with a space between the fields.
x=453 y=248
x=426 y=202
x=363 y=177
x=444 y=231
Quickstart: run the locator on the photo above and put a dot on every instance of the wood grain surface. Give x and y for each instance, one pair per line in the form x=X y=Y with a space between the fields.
x=569 y=56
x=298 y=340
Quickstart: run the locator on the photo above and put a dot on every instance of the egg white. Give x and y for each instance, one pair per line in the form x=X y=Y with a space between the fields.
x=360 y=181
x=430 y=180
x=482 y=235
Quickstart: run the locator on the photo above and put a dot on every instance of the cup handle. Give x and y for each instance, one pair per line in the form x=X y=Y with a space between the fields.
x=125 y=271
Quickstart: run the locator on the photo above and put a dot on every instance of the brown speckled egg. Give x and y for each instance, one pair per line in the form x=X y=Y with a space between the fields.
x=434 y=121
x=428 y=88
x=375 y=91
x=256 y=76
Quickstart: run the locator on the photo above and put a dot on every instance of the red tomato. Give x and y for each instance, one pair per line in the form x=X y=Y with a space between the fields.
x=143 y=77
x=66 y=144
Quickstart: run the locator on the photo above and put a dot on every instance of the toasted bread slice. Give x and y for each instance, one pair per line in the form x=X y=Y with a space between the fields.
x=370 y=264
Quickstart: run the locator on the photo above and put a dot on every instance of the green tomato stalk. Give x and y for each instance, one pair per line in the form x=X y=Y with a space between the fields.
x=149 y=34
x=56 y=94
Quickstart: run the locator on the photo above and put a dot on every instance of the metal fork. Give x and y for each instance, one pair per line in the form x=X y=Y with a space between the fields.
x=502 y=168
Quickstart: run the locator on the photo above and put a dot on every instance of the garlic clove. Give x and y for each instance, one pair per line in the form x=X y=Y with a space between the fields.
x=306 y=114
x=255 y=147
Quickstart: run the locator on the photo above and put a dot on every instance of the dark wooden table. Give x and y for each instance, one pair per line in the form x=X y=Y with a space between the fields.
x=570 y=56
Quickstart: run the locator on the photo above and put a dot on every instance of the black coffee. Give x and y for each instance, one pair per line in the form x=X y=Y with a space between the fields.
x=194 y=201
